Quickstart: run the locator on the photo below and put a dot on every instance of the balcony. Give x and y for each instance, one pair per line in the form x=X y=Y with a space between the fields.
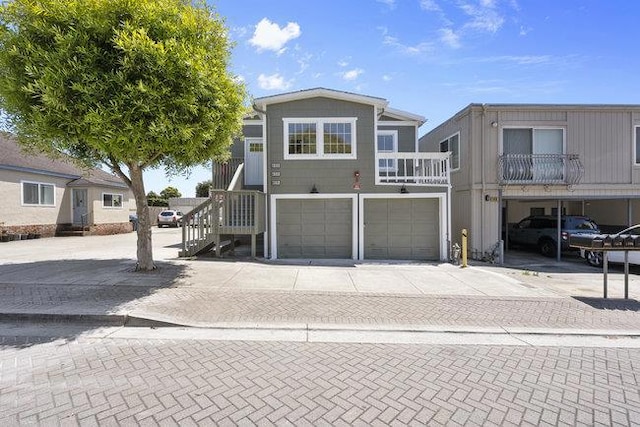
x=412 y=169
x=540 y=169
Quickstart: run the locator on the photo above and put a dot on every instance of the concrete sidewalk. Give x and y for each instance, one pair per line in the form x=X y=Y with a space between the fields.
x=92 y=278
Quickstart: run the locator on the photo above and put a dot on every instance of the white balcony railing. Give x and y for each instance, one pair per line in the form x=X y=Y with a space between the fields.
x=412 y=168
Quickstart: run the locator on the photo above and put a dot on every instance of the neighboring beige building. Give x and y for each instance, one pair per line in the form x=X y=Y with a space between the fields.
x=45 y=196
x=510 y=161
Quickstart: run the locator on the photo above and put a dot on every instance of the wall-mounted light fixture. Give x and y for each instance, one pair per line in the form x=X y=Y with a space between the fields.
x=356 y=180
x=314 y=190
x=404 y=190
x=494 y=124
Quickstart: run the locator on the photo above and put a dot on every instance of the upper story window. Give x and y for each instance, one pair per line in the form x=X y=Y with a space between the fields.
x=38 y=193
x=111 y=200
x=533 y=141
x=637 y=145
x=387 y=143
x=452 y=144
x=332 y=138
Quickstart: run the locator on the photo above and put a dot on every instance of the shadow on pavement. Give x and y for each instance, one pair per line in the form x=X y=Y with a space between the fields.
x=610 y=303
x=49 y=300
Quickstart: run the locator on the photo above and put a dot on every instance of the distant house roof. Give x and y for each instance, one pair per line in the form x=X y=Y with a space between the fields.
x=14 y=158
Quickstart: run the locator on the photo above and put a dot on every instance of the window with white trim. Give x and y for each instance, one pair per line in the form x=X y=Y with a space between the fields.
x=452 y=144
x=387 y=143
x=110 y=200
x=333 y=138
x=637 y=145
x=38 y=194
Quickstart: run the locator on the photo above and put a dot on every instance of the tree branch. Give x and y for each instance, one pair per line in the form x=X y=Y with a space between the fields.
x=116 y=168
x=151 y=160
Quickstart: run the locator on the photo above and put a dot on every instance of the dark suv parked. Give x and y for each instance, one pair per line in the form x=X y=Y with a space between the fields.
x=541 y=231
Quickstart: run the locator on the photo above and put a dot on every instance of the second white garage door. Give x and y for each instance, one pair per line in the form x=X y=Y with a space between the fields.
x=401 y=229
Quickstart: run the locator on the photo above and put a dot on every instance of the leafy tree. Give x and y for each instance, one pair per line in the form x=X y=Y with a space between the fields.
x=202 y=189
x=132 y=84
x=170 y=192
x=154 y=199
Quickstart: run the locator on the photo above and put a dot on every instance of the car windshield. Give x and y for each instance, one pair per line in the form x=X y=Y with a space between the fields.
x=166 y=213
x=586 y=225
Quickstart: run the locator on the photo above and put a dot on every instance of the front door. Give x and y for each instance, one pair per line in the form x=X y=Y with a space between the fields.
x=79 y=206
x=253 y=161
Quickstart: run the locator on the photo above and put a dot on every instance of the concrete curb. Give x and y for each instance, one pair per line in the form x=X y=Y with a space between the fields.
x=127 y=326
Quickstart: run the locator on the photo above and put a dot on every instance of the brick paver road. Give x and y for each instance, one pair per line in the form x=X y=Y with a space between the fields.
x=147 y=382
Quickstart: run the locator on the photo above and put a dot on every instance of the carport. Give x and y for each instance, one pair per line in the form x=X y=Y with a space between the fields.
x=612 y=214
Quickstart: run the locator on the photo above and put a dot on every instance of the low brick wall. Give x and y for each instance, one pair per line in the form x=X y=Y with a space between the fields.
x=44 y=230
x=113 y=228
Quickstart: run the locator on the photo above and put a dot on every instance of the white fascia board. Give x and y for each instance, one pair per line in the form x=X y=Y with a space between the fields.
x=261 y=103
x=404 y=115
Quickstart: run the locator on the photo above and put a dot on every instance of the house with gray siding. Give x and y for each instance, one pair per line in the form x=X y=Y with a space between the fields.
x=338 y=175
x=509 y=161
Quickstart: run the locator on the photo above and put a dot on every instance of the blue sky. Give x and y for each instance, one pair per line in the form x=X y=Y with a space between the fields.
x=433 y=57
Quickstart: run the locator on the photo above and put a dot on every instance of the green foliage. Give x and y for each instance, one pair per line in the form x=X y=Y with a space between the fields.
x=154 y=199
x=202 y=189
x=120 y=82
x=170 y=192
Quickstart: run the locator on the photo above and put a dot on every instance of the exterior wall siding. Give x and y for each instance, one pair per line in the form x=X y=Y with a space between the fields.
x=330 y=175
x=14 y=213
x=102 y=215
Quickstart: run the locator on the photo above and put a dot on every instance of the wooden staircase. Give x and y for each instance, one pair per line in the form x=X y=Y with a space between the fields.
x=224 y=215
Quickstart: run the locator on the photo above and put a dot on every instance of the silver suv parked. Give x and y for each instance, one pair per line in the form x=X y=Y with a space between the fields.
x=541 y=231
x=169 y=218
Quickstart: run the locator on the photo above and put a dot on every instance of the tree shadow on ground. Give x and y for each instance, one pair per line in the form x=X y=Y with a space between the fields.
x=58 y=299
x=618 y=304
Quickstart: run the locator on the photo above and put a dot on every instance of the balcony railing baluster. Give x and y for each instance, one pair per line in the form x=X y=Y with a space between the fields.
x=540 y=169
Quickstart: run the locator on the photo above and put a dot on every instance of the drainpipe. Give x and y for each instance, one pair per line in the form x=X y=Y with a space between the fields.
x=559 y=231
x=484 y=184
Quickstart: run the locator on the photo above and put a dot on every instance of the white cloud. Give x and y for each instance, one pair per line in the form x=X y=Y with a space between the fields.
x=430 y=5
x=415 y=50
x=484 y=17
x=450 y=38
x=352 y=74
x=270 y=36
x=390 y=3
x=273 y=82
x=343 y=63
x=524 y=30
x=520 y=60
x=387 y=78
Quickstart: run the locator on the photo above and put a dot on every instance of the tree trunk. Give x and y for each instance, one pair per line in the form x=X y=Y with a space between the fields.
x=145 y=248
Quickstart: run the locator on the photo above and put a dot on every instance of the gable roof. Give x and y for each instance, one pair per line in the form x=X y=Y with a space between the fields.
x=261 y=103
x=404 y=115
x=16 y=159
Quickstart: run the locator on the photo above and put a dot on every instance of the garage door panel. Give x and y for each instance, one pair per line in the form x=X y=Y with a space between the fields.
x=401 y=229
x=319 y=228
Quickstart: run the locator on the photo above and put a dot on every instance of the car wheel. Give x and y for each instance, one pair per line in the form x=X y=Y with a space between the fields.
x=548 y=248
x=594 y=258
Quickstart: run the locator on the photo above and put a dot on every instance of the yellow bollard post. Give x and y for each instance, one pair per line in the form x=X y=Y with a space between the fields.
x=464 y=248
